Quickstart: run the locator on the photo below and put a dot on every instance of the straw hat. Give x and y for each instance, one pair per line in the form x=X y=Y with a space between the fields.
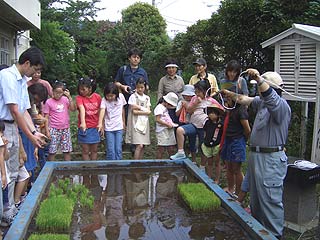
x=216 y=106
x=171 y=98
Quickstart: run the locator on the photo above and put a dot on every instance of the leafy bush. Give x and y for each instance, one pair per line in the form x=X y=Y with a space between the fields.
x=198 y=197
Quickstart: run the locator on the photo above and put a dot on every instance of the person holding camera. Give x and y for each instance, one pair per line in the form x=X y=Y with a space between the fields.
x=56 y=110
x=128 y=75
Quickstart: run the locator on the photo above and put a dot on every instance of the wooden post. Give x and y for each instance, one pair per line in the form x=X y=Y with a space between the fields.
x=315 y=154
x=304 y=121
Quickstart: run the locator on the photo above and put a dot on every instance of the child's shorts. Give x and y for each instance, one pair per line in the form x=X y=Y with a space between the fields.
x=234 y=150
x=166 y=137
x=210 y=151
x=89 y=136
x=60 y=138
x=23 y=174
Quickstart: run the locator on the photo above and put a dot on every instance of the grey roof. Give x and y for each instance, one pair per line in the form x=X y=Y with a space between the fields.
x=305 y=30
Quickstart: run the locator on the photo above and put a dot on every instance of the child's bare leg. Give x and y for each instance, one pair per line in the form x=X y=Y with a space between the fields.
x=67 y=156
x=51 y=156
x=85 y=151
x=160 y=151
x=241 y=196
x=230 y=177
x=20 y=189
x=217 y=169
x=171 y=150
x=194 y=157
x=238 y=176
x=180 y=138
x=138 y=153
x=93 y=151
x=209 y=166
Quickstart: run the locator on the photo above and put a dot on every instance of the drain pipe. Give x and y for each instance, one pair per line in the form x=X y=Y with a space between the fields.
x=16 y=47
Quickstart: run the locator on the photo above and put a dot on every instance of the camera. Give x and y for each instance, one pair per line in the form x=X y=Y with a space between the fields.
x=47 y=141
x=129 y=90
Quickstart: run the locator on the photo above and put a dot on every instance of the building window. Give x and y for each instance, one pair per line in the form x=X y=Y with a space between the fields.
x=4 y=51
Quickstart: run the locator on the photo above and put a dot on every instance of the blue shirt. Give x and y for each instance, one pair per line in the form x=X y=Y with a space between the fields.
x=126 y=76
x=272 y=121
x=13 y=90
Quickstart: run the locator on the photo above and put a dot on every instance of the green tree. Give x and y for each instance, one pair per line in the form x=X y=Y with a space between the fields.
x=76 y=20
x=58 y=50
x=141 y=27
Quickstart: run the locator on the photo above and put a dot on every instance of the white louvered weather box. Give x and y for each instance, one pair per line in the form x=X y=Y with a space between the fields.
x=297 y=60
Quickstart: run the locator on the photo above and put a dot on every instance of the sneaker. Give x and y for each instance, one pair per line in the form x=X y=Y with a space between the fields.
x=177 y=156
x=9 y=215
x=18 y=205
x=233 y=195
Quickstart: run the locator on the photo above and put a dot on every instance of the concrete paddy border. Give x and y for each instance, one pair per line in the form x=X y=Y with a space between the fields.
x=19 y=227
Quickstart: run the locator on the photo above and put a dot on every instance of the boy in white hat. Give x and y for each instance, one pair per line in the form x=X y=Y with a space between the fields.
x=166 y=140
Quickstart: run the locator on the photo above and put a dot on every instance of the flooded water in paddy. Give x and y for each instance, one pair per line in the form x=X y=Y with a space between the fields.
x=143 y=204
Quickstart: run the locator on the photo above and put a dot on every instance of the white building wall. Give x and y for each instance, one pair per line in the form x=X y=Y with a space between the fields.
x=29 y=9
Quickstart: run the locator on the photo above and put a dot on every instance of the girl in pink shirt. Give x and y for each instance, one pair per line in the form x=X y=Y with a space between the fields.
x=111 y=120
x=88 y=104
x=56 y=111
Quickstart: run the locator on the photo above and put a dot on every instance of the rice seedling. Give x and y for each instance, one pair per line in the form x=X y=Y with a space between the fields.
x=198 y=197
x=75 y=192
x=49 y=237
x=55 y=214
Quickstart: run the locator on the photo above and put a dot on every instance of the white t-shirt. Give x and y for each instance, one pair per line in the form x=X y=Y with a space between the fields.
x=143 y=98
x=164 y=116
x=113 y=115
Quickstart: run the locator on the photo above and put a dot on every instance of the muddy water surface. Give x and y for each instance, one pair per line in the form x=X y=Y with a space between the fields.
x=143 y=204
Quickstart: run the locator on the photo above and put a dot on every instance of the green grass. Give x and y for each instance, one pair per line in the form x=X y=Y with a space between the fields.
x=198 y=197
x=55 y=214
x=49 y=237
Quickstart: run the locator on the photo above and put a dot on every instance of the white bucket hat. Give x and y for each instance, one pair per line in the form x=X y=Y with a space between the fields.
x=188 y=90
x=273 y=79
x=171 y=98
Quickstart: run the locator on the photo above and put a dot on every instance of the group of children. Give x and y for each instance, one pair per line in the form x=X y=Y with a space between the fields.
x=203 y=122
x=105 y=117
